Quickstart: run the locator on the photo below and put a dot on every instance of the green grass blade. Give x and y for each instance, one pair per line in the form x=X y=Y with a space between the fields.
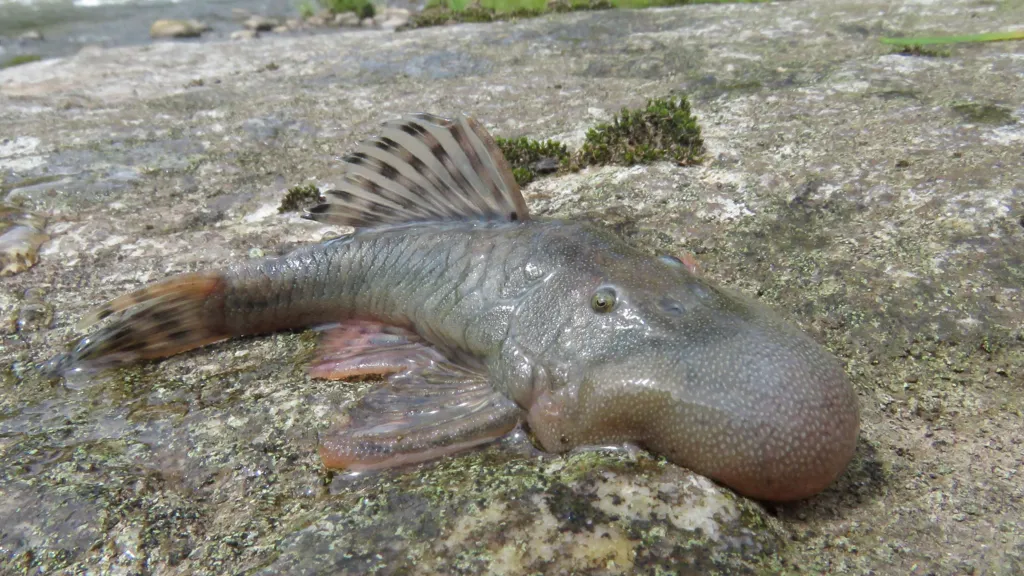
x=963 y=38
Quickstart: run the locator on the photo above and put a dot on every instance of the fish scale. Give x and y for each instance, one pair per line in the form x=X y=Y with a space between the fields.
x=481 y=318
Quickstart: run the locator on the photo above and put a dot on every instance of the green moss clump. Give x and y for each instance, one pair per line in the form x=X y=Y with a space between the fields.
x=364 y=8
x=983 y=113
x=529 y=158
x=299 y=197
x=665 y=129
x=307 y=9
x=441 y=12
x=578 y=5
x=19 y=60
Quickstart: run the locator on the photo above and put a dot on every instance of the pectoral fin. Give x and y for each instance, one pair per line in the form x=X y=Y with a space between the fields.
x=427 y=408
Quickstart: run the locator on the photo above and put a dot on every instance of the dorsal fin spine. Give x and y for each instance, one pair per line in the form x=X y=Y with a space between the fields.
x=424 y=168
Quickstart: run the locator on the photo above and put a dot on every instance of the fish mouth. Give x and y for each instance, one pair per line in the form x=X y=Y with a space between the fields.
x=773 y=421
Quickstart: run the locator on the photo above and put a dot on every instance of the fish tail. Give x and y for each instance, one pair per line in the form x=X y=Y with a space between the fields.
x=160 y=320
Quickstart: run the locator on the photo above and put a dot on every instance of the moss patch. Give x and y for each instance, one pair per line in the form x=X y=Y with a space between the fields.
x=530 y=158
x=664 y=129
x=19 y=60
x=984 y=113
x=440 y=12
x=364 y=8
x=299 y=197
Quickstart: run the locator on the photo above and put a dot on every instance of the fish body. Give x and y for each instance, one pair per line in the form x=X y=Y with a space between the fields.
x=483 y=318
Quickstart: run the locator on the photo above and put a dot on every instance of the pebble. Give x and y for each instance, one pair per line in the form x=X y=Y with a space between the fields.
x=245 y=35
x=177 y=29
x=346 y=19
x=260 y=23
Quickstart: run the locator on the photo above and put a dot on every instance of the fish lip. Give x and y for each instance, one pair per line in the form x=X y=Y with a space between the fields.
x=792 y=436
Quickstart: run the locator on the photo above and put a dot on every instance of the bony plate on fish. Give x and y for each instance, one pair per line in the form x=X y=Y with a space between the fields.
x=481 y=317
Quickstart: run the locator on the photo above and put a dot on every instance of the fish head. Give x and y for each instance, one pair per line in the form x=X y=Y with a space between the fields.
x=708 y=378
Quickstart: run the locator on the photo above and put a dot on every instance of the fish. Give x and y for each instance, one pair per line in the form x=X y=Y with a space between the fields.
x=480 y=318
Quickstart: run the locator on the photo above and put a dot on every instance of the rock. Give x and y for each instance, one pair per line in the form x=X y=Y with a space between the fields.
x=367 y=23
x=392 y=18
x=207 y=463
x=281 y=29
x=393 y=23
x=260 y=23
x=245 y=35
x=21 y=235
x=177 y=29
x=389 y=12
x=346 y=19
x=293 y=23
x=31 y=36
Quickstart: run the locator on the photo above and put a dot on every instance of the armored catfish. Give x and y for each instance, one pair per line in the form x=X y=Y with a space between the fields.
x=481 y=317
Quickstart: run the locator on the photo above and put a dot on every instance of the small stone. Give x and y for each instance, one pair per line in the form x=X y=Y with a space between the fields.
x=34 y=317
x=387 y=13
x=177 y=29
x=33 y=35
x=546 y=165
x=367 y=23
x=316 y=21
x=346 y=19
x=394 y=22
x=293 y=23
x=280 y=29
x=245 y=35
x=260 y=23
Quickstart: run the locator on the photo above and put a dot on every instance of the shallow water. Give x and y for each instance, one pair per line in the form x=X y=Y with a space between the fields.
x=69 y=25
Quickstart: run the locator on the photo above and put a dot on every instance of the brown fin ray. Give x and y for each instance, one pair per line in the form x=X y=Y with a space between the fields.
x=166 y=318
x=423 y=167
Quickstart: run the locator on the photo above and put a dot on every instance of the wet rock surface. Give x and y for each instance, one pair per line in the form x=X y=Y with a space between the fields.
x=21 y=235
x=874 y=198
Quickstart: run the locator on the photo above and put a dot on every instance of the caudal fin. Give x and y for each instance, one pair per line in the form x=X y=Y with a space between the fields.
x=160 y=320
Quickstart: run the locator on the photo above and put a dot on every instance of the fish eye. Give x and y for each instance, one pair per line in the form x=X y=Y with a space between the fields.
x=603 y=300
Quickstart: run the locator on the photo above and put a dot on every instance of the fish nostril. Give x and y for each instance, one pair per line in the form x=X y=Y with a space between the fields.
x=672 y=306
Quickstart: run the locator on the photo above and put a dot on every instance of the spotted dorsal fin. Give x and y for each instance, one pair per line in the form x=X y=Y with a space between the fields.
x=424 y=168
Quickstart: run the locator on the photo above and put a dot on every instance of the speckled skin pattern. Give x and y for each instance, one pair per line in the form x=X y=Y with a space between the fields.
x=711 y=380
